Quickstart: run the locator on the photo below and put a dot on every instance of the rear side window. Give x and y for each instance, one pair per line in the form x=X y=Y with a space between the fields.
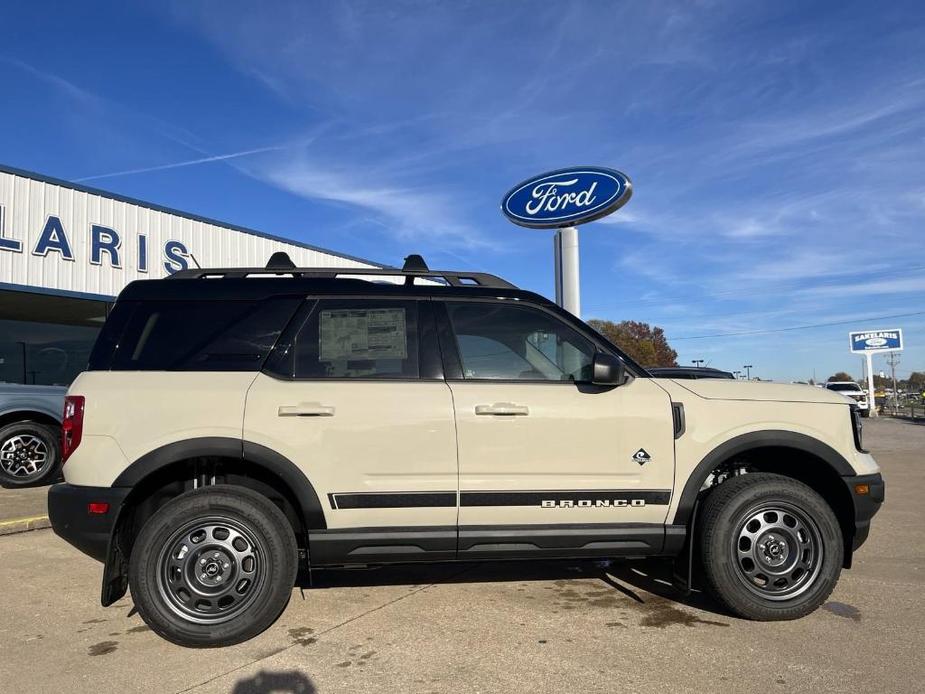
x=359 y=339
x=191 y=335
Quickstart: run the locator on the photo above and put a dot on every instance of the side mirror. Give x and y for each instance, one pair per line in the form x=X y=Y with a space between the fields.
x=607 y=370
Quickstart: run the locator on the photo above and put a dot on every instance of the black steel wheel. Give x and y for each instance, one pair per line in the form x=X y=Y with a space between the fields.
x=771 y=548
x=29 y=454
x=213 y=567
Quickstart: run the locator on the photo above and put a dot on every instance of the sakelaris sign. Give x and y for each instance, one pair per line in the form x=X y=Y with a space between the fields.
x=876 y=341
x=567 y=197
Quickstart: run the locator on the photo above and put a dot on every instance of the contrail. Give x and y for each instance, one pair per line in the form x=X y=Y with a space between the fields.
x=180 y=164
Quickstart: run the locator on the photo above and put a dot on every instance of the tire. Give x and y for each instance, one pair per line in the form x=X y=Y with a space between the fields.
x=751 y=527
x=234 y=577
x=30 y=454
x=865 y=413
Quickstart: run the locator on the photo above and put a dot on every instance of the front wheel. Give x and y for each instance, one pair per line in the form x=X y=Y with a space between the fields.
x=771 y=547
x=213 y=567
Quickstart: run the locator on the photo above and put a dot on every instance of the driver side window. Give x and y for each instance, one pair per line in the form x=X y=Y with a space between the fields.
x=517 y=343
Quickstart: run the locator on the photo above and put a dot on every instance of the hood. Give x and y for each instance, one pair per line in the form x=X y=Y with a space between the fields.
x=725 y=389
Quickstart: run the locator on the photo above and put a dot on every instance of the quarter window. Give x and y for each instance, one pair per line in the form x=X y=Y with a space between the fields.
x=518 y=343
x=359 y=339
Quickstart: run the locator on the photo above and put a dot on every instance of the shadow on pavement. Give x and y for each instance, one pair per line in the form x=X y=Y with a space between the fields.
x=644 y=581
x=264 y=682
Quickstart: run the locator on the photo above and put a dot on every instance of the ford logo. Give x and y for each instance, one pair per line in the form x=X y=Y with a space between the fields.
x=567 y=197
x=875 y=342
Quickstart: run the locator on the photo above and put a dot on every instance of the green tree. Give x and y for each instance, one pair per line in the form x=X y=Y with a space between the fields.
x=645 y=343
x=840 y=376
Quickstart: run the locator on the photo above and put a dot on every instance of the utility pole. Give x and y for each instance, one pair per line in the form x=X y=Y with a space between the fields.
x=893 y=361
x=748 y=371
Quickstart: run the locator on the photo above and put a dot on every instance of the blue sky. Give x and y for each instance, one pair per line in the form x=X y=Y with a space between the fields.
x=777 y=149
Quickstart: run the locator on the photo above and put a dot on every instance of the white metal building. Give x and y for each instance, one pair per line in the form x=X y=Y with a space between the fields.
x=67 y=250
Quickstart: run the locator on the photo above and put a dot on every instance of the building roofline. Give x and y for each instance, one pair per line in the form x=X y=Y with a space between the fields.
x=179 y=213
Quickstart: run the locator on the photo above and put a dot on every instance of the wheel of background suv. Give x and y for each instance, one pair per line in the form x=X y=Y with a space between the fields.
x=29 y=454
x=213 y=567
x=771 y=548
x=865 y=413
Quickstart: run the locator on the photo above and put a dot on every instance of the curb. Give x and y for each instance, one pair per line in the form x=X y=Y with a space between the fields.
x=21 y=525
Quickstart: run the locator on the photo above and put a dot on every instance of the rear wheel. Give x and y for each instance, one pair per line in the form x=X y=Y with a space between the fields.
x=213 y=567
x=771 y=547
x=29 y=454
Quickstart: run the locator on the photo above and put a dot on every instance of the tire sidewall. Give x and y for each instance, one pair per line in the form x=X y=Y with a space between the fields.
x=271 y=531
x=51 y=440
x=719 y=562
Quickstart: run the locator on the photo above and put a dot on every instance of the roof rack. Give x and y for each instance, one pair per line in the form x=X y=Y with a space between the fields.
x=281 y=265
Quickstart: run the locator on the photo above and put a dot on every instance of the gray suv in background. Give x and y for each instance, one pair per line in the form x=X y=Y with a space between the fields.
x=30 y=432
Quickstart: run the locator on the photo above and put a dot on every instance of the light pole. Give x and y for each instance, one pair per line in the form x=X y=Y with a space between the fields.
x=697 y=362
x=736 y=374
x=748 y=371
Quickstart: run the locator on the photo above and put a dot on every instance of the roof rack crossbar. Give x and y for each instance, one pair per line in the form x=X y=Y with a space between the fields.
x=453 y=278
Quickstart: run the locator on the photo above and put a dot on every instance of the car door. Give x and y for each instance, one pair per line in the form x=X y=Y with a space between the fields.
x=360 y=406
x=548 y=463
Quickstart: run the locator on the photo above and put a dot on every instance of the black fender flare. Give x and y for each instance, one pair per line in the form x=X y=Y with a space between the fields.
x=746 y=442
x=246 y=451
x=115 y=565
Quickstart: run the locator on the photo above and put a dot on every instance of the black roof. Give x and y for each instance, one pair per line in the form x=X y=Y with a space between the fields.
x=256 y=288
x=693 y=372
x=281 y=278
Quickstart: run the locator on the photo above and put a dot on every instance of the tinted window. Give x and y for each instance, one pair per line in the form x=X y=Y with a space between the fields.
x=518 y=343
x=843 y=386
x=359 y=339
x=191 y=335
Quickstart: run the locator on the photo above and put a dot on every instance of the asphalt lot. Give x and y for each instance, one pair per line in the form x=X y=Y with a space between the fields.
x=490 y=628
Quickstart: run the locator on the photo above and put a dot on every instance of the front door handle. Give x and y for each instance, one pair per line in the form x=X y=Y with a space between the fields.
x=503 y=409
x=306 y=409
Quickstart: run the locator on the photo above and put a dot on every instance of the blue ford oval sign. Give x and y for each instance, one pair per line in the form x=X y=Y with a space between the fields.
x=567 y=197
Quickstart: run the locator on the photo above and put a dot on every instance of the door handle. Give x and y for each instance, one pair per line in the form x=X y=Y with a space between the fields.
x=503 y=409
x=306 y=409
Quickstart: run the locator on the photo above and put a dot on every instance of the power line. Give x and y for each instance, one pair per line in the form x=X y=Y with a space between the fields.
x=798 y=327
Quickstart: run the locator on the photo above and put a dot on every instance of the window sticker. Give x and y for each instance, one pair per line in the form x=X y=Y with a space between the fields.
x=363 y=334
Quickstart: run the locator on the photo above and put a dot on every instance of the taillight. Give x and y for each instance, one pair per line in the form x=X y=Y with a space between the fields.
x=72 y=427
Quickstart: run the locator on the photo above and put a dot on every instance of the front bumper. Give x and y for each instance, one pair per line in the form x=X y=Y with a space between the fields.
x=68 y=511
x=865 y=506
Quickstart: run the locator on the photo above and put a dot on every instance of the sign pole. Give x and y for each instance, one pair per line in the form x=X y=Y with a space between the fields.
x=568 y=285
x=871 y=398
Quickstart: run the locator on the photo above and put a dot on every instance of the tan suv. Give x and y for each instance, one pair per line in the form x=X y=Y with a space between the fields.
x=236 y=425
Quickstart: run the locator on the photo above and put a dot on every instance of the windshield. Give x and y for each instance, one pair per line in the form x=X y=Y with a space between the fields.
x=843 y=386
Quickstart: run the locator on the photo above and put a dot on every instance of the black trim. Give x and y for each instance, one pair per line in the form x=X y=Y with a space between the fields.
x=337 y=547
x=355 y=500
x=293 y=477
x=217 y=446
x=382 y=545
x=67 y=511
x=651 y=497
x=430 y=362
x=677 y=416
x=563 y=541
x=153 y=461
x=865 y=506
x=746 y=442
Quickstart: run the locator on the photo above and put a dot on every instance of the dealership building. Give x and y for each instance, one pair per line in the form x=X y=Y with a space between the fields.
x=66 y=251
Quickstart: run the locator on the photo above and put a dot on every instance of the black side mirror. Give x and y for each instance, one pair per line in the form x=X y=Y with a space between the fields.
x=607 y=370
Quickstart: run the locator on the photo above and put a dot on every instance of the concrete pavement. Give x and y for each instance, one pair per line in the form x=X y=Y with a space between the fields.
x=489 y=628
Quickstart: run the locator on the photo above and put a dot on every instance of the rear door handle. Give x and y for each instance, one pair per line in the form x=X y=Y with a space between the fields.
x=503 y=409
x=306 y=409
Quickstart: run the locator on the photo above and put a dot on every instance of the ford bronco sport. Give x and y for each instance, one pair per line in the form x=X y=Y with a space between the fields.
x=236 y=425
